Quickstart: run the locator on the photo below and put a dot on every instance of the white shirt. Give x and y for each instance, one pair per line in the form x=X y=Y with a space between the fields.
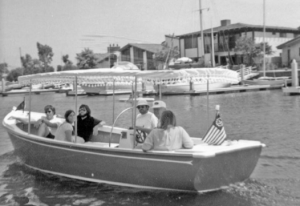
x=56 y=121
x=170 y=139
x=61 y=131
x=148 y=120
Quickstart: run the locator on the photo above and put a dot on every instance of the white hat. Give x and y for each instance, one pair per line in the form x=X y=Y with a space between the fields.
x=159 y=104
x=142 y=102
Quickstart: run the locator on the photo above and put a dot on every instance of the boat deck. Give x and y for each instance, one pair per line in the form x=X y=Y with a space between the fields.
x=35 y=91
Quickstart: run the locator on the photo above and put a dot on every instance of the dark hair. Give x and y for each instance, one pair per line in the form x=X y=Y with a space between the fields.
x=47 y=107
x=67 y=114
x=88 y=110
x=167 y=118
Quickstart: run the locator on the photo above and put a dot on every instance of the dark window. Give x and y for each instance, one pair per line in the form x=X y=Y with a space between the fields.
x=274 y=33
x=190 y=42
x=282 y=34
x=150 y=61
x=126 y=55
x=138 y=57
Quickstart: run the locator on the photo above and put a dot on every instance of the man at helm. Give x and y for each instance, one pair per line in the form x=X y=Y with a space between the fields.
x=145 y=120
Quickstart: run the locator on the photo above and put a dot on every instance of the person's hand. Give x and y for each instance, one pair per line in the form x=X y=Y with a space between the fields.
x=38 y=123
x=95 y=131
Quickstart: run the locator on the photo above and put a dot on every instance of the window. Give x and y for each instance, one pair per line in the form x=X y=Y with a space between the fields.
x=282 y=34
x=274 y=33
x=190 y=42
x=126 y=55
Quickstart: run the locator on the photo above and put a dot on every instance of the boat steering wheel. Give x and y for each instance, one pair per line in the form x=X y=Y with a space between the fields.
x=140 y=136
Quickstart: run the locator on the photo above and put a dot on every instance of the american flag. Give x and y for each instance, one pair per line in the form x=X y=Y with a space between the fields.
x=21 y=106
x=216 y=134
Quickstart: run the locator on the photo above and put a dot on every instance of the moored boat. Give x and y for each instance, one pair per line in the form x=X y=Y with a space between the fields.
x=113 y=156
x=206 y=78
x=272 y=81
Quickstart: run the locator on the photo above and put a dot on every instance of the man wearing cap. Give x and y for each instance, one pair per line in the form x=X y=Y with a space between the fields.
x=145 y=121
x=158 y=108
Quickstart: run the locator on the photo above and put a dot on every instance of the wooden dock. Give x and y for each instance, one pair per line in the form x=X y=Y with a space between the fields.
x=232 y=89
x=104 y=93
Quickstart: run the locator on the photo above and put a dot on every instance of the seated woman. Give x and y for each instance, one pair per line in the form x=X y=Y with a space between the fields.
x=168 y=136
x=65 y=130
x=86 y=124
x=46 y=125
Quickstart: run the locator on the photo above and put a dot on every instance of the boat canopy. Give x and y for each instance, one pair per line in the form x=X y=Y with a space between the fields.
x=108 y=75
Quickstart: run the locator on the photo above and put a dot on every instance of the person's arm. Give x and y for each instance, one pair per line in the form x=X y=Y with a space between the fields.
x=149 y=143
x=49 y=123
x=187 y=141
x=98 y=123
x=25 y=120
x=69 y=137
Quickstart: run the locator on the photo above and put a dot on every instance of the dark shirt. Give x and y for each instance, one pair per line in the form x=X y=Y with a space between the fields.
x=85 y=127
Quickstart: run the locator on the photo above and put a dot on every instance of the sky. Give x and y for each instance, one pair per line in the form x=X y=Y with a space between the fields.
x=67 y=26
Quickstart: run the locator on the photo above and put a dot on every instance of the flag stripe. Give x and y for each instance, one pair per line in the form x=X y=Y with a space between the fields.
x=209 y=134
x=216 y=134
x=212 y=134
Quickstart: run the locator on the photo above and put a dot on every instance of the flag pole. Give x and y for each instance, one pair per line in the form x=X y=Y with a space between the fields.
x=207 y=95
x=24 y=104
x=217 y=109
x=29 y=118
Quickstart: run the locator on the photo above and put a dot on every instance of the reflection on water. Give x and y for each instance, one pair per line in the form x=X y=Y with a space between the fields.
x=267 y=116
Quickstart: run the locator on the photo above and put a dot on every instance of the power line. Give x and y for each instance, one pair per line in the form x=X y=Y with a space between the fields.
x=119 y=37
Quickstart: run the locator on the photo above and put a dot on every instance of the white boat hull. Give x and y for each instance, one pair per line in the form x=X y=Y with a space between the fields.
x=203 y=168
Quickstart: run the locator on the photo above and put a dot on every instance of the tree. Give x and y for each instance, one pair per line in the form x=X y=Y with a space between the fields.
x=166 y=54
x=14 y=74
x=45 y=56
x=68 y=64
x=86 y=59
x=30 y=65
x=248 y=47
x=3 y=69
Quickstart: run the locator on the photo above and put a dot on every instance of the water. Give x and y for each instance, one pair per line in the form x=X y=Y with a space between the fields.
x=267 y=116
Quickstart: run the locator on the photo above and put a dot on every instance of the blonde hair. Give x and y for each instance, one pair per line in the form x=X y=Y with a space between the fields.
x=167 y=118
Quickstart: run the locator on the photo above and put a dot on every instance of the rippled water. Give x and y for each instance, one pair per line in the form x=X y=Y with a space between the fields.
x=267 y=116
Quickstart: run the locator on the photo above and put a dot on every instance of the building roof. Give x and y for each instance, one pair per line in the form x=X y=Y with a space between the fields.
x=289 y=43
x=147 y=47
x=101 y=56
x=241 y=26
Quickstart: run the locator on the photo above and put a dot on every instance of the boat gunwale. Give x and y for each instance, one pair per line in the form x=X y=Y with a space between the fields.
x=14 y=130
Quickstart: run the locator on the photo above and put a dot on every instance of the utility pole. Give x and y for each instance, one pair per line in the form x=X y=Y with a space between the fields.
x=109 y=55
x=201 y=31
x=264 y=34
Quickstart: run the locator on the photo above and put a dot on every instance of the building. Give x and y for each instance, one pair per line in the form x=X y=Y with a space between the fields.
x=140 y=54
x=290 y=51
x=107 y=60
x=225 y=37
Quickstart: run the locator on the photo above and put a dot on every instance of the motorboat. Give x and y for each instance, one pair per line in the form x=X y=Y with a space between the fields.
x=207 y=78
x=114 y=156
x=272 y=81
x=119 y=87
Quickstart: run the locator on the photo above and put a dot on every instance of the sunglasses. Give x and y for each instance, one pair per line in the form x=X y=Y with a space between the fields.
x=140 y=107
x=49 y=111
